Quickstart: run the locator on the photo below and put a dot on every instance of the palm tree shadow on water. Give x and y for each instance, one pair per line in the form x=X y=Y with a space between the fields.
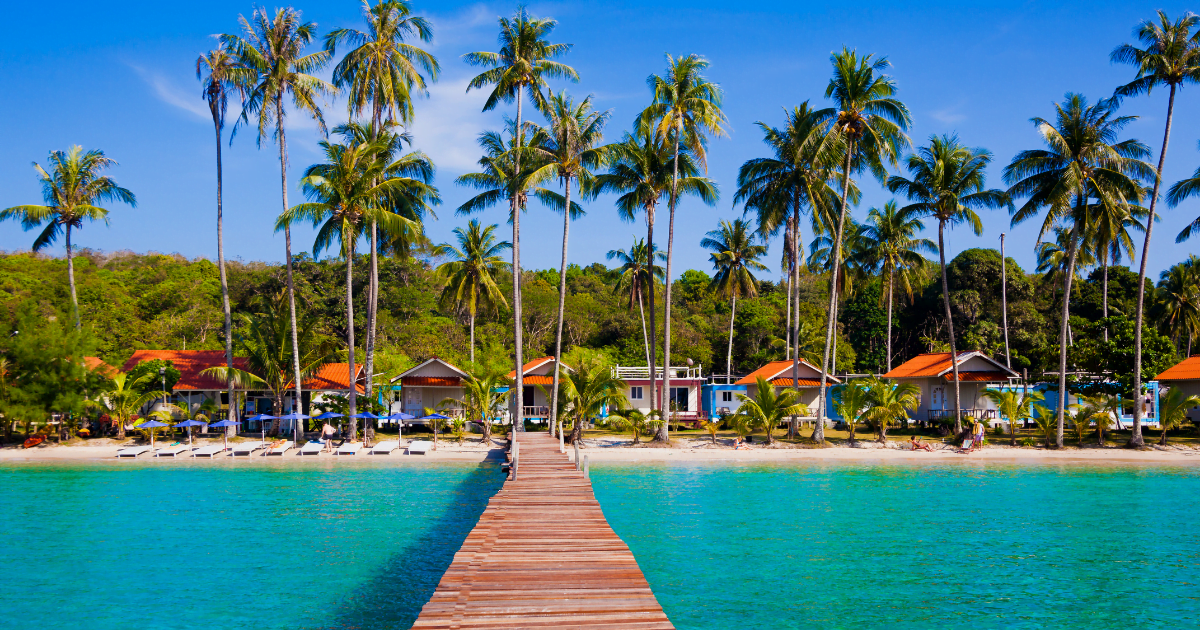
x=393 y=596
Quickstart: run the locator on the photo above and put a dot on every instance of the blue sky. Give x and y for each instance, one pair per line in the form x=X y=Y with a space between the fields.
x=121 y=78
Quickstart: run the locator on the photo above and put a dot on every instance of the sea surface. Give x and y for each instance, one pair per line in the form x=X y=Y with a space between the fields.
x=724 y=546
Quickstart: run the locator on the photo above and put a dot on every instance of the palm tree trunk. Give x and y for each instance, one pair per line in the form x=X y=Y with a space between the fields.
x=1136 y=438
x=1104 y=288
x=353 y=396
x=664 y=428
x=729 y=353
x=1061 y=404
x=518 y=341
x=232 y=412
x=71 y=278
x=287 y=239
x=372 y=302
x=653 y=352
x=1004 y=302
x=891 y=299
x=645 y=338
x=950 y=329
x=789 y=261
x=819 y=430
x=793 y=281
x=562 y=306
x=472 y=336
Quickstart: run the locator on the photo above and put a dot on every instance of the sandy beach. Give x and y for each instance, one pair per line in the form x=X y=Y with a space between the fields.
x=686 y=449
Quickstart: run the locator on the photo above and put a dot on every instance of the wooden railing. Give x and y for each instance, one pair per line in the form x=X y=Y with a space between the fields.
x=948 y=414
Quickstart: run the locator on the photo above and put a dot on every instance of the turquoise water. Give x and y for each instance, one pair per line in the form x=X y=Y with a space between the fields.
x=913 y=547
x=355 y=545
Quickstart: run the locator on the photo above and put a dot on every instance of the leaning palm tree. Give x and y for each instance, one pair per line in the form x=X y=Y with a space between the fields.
x=801 y=175
x=1178 y=301
x=1171 y=57
x=639 y=276
x=1173 y=410
x=767 y=408
x=220 y=74
x=348 y=194
x=471 y=273
x=1083 y=163
x=1053 y=259
x=890 y=403
x=871 y=122
x=381 y=73
x=686 y=107
x=735 y=255
x=1014 y=406
x=525 y=60
x=1108 y=233
x=642 y=170
x=70 y=190
x=569 y=151
x=948 y=183
x=272 y=48
x=889 y=239
x=591 y=388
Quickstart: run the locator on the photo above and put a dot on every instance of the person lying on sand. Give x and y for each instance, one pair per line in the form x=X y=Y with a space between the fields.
x=918 y=445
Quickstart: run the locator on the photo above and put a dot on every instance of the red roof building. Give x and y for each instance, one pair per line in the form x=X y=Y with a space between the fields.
x=190 y=364
x=933 y=372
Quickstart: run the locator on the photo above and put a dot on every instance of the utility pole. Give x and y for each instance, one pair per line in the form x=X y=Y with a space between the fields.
x=1004 y=301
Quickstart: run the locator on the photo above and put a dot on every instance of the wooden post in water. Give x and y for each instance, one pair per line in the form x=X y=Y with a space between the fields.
x=578 y=464
x=561 y=447
x=516 y=453
x=585 y=467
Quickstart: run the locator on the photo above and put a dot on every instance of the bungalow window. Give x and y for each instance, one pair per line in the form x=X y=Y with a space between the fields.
x=679 y=398
x=635 y=393
x=726 y=396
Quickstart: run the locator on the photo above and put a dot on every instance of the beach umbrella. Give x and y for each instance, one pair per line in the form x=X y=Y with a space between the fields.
x=295 y=417
x=327 y=415
x=261 y=425
x=400 y=417
x=189 y=424
x=223 y=424
x=152 y=424
x=365 y=414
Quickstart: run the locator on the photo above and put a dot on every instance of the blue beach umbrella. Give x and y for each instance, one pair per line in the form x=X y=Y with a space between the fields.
x=365 y=415
x=261 y=425
x=152 y=424
x=327 y=415
x=400 y=417
x=295 y=417
x=189 y=424
x=223 y=424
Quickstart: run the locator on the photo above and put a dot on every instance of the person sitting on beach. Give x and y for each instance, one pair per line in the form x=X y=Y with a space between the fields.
x=737 y=444
x=918 y=445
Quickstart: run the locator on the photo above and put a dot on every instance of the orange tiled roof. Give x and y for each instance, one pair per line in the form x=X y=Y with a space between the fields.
x=335 y=376
x=533 y=365
x=928 y=364
x=1186 y=370
x=773 y=369
x=539 y=379
x=976 y=377
x=802 y=382
x=431 y=381
x=189 y=363
x=95 y=364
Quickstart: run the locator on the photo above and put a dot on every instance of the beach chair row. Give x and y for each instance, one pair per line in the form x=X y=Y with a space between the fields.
x=280 y=448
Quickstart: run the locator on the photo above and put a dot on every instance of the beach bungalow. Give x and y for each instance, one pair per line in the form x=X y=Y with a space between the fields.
x=538 y=380
x=98 y=366
x=720 y=398
x=807 y=378
x=193 y=387
x=933 y=373
x=1184 y=375
x=684 y=398
x=429 y=384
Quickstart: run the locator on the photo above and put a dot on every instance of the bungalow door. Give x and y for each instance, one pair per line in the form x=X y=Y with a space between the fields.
x=412 y=401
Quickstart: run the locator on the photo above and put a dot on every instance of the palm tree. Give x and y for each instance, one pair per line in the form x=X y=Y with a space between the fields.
x=348 y=193
x=851 y=401
x=889 y=403
x=800 y=175
x=641 y=171
x=768 y=409
x=1178 y=300
x=638 y=277
x=381 y=72
x=569 y=151
x=471 y=274
x=70 y=189
x=1170 y=57
x=272 y=48
x=484 y=397
x=1173 y=410
x=871 y=122
x=890 y=242
x=1053 y=259
x=636 y=422
x=1083 y=161
x=525 y=60
x=220 y=73
x=591 y=388
x=948 y=184
x=853 y=263
x=686 y=107
x=122 y=400
x=1014 y=406
x=1109 y=236
x=735 y=255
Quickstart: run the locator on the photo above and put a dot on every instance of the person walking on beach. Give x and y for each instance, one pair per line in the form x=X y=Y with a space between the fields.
x=327 y=432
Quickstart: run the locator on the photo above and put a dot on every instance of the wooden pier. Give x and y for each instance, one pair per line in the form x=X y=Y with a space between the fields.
x=543 y=556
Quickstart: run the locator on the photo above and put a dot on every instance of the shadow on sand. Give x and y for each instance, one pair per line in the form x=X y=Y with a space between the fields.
x=392 y=598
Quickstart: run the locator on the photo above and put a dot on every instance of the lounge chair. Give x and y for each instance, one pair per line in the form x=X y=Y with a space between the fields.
x=132 y=451
x=966 y=446
x=419 y=447
x=247 y=448
x=349 y=448
x=210 y=451
x=280 y=448
x=311 y=448
x=385 y=448
x=172 y=451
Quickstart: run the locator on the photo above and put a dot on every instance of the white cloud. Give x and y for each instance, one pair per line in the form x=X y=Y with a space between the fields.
x=171 y=94
x=948 y=115
x=449 y=121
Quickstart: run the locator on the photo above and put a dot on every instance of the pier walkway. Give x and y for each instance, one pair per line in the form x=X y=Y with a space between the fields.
x=543 y=556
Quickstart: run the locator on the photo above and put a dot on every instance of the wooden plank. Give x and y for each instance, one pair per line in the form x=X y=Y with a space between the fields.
x=543 y=556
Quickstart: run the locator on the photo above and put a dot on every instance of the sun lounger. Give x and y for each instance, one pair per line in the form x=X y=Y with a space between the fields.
x=419 y=447
x=280 y=449
x=311 y=448
x=172 y=451
x=132 y=451
x=966 y=447
x=210 y=451
x=385 y=448
x=247 y=448
x=349 y=448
